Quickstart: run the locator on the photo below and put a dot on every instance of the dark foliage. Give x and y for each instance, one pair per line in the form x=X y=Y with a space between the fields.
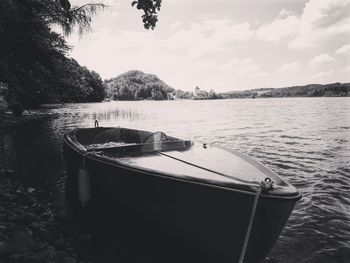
x=150 y=9
x=33 y=61
x=312 y=90
x=136 y=85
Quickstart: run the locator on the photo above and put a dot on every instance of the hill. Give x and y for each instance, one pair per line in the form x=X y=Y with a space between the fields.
x=311 y=90
x=137 y=85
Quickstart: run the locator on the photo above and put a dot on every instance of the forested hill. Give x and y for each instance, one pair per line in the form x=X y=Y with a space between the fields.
x=136 y=85
x=312 y=90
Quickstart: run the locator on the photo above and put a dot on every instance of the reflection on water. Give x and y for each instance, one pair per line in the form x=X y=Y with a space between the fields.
x=305 y=140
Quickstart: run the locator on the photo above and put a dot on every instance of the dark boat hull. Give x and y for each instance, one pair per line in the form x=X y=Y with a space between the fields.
x=156 y=218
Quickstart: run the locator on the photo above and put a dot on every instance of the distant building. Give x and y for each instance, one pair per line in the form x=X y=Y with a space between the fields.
x=196 y=91
x=199 y=94
x=171 y=96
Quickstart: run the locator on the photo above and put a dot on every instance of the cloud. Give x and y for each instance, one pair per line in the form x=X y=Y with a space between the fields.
x=175 y=25
x=208 y=36
x=279 y=29
x=301 y=43
x=346 y=69
x=344 y=50
x=242 y=68
x=320 y=21
x=325 y=13
x=322 y=60
x=289 y=68
x=284 y=13
x=111 y=2
x=321 y=77
x=83 y=2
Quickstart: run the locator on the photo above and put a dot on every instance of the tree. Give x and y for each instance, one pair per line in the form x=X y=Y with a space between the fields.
x=62 y=13
x=33 y=62
x=27 y=52
x=150 y=8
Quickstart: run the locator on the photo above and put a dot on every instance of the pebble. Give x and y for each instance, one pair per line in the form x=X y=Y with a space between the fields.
x=2 y=229
x=8 y=197
x=69 y=260
x=30 y=217
x=30 y=189
x=5 y=249
x=31 y=230
x=35 y=225
x=44 y=234
x=29 y=257
x=21 y=242
x=10 y=171
x=60 y=242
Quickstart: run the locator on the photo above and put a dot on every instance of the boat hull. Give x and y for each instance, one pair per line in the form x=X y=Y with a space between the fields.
x=151 y=217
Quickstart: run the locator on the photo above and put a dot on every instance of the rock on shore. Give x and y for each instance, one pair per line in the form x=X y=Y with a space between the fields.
x=32 y=230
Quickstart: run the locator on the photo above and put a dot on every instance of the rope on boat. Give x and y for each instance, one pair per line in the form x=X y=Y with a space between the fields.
x=250 y=225
x=207 y=169
x=265 y=185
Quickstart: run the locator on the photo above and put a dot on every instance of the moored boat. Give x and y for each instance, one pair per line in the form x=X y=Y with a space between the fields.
x=164 y=199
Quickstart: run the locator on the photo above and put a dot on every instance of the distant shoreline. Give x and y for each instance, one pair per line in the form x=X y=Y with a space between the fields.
x=136 y=85
x=234 y=98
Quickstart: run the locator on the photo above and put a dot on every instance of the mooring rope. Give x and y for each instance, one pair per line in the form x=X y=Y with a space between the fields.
x=207 y=169
x=250 y=225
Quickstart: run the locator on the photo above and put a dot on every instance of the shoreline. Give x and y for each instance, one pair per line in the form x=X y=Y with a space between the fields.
x=32 y=228
x=10 y=121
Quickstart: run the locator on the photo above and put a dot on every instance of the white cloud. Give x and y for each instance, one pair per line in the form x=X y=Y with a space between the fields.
x=320 y=21
x=325 y=13
x=208 y=36
x=320 y=77
x=111 y=2
x=346 y=69
x=344 y=50
x=301 y=43
x=242 y=68
x=322 y=60
x=284 y=13
x=279 y=29
x=83 y=2
x=175 y=25
x=291 y=67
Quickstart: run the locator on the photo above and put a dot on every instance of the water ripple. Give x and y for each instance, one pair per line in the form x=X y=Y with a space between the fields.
x=305 y=140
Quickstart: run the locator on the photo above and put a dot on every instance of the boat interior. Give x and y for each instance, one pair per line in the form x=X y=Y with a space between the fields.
x=122 y=141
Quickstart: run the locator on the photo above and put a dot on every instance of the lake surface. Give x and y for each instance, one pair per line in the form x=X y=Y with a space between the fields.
x=305 y=140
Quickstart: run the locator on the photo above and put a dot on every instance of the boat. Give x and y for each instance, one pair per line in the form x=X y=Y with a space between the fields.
x=163 y=199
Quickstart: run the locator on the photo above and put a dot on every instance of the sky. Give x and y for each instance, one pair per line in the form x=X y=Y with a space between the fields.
x=224 y=45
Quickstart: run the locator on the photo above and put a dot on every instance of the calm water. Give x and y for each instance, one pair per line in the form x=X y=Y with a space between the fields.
x=306 y=140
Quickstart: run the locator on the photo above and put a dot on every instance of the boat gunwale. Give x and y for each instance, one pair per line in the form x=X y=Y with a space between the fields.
x=252 y=189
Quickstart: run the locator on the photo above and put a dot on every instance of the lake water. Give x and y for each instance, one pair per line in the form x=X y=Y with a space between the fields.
x=305 y=140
